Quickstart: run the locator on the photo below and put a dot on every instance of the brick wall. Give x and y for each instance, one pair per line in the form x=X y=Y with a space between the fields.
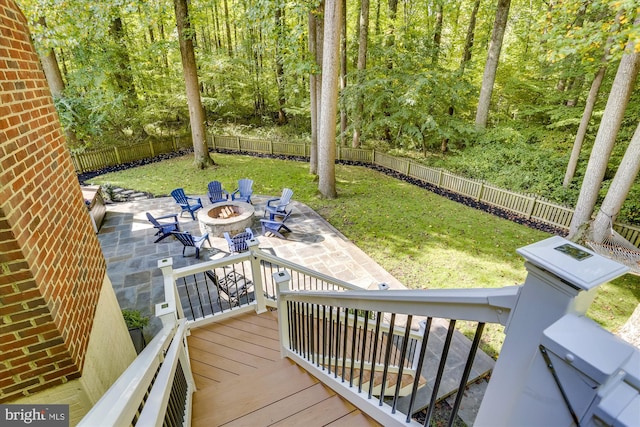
x=51 y=265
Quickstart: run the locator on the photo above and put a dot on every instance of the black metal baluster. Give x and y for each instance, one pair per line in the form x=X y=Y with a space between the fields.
x=363 y=349
x=466 y=373
x=403 y=353
x=416 y=380
x=375 y=353
x=387 y=356
x=443 y=362
x=344 y=341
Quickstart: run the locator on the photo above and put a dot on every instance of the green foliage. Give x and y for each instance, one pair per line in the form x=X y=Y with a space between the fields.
x=134 y=318
x=424 y=240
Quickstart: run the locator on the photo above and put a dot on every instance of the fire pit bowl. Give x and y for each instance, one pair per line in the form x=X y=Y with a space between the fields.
x=232 y=217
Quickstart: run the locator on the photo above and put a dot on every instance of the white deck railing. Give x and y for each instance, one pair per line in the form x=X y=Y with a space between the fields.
x=550 y=352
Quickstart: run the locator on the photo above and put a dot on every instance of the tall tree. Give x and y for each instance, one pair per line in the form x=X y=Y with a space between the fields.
x=280 y=30
x=330 y=73
x=316 y=37
x=122 y=74
x=362 y=66
x=227 y=26
x=202 y=159
x=56 y=83
x=618 y=190
x=437 y=34
x=343 y=71
x=605 y=138
x=491 y=66
x=589 y=106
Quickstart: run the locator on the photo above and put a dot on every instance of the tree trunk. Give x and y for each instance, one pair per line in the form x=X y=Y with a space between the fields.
x=282 y=100
x=468 y=44
x=588 y=111
x=122 y=75
x=315 y=86
x=619 y=189
x=437 y=35
x=362 y=66
x=330 y=72
x=491 y=66
x=202 y=159
x=605 y=138
x=227 y=25
x=584 y=124
x=343 y=71
x=56 y=83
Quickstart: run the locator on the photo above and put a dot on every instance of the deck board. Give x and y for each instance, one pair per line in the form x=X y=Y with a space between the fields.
x=243 y=381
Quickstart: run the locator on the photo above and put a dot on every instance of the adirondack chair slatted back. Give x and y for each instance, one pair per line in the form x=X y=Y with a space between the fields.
x=238 y=243
x=216 y=193
x=274 y=226
x=187 y=239
x=187 y=204
x=164 y=229
x=244 y=190
x=279 y=205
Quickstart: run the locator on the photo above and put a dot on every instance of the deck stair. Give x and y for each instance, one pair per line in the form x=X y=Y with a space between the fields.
x=242 y=380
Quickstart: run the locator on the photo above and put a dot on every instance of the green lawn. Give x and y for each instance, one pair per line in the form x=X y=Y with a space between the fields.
x=426 y=241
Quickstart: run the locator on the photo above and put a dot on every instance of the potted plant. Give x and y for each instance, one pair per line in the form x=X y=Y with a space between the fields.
x=136 y=322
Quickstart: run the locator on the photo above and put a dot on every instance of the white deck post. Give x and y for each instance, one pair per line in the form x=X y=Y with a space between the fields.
x=282 y=279
x=171 y=297
x=562 y=278
x=258 y=286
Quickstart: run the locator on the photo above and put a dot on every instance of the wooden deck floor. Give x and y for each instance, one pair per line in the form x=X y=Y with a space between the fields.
x=243 y=381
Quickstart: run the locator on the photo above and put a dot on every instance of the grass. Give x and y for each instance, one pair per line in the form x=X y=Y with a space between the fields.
x=424 y=240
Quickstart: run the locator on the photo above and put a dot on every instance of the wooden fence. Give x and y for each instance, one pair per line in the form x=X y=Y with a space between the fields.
x=524 y=205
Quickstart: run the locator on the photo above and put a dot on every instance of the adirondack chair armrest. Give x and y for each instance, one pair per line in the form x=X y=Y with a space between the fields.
x=195 y=198
x=269 y=201
x=174 y=216
x=236 y=191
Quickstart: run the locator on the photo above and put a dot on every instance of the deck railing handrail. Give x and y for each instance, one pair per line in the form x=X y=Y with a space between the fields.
x=326 y=331
x=528 y=206
x=147 y=384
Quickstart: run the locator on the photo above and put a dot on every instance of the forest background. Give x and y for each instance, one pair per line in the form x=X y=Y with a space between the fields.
x=416 y=92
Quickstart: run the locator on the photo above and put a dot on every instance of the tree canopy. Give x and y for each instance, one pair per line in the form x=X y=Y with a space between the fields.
x=121 y=67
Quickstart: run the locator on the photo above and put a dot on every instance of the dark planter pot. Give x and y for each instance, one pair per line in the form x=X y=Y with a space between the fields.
x=138 y=339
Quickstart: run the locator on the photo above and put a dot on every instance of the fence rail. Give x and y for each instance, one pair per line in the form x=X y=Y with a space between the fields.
x=525 y=205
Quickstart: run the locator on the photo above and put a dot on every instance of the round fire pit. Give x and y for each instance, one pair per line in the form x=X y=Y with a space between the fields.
x=232 y=217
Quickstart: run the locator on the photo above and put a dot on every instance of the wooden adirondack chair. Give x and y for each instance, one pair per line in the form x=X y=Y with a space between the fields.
x=164 y=229
x=187 y=204
x=244 y=190
x=216 y=193
x=238 y=243
x=278 y=206
x=274 y=226
x=187 y=239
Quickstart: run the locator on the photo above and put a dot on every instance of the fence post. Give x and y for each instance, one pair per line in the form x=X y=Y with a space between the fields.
x=282 y=279
x=213 y=142
x=261 y=304
x=532 y=204
x=373 y=156
x=151 y=149
x=440 y=178
x=115 y=149
x=175 y=143
x=480 y=192
x=270 y=147
x=562 y=278
x=77 y=162
x=238 y=143
x=408 y=168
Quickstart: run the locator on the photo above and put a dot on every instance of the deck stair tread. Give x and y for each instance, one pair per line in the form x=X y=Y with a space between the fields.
x=259 y=388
